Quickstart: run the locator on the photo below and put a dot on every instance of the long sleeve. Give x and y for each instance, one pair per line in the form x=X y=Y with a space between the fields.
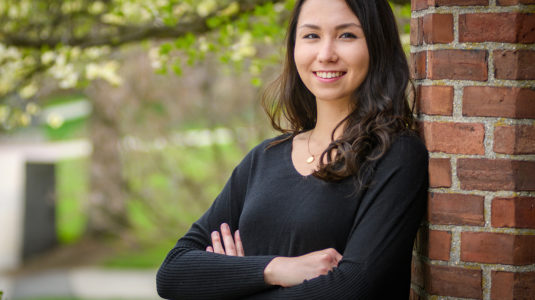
x=376 y=260
x=189 y=272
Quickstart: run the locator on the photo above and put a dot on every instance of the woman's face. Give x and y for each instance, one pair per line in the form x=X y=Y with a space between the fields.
x=331 y=54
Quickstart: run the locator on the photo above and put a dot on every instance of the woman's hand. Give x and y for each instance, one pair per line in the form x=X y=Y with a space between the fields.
x=233 y=246
x=283 y=271
x=290 y=271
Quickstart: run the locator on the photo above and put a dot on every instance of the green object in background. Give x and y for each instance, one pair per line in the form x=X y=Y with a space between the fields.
x=72 y=188
x=147 y=257
x=71 y=129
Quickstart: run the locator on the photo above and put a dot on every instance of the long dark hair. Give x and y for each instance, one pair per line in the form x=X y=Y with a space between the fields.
x=381 y=103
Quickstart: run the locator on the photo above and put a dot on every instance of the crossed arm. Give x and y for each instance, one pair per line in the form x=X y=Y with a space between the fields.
x=282 y=271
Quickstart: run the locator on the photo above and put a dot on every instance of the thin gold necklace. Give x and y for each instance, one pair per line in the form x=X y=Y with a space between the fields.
x=312 y=157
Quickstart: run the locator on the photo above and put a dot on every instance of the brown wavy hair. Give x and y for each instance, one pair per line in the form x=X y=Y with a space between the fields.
x=382 y=109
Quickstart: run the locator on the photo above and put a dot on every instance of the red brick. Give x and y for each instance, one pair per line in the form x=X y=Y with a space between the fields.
x=497 y=27
x=439 y=245
x=496 y=174
x=514 y=64
x=416 y=31
x=498 y=102
x=453 y=281
x=458 y=2
x=518 y=212
x=518 y=139
x=435 y=100
x=438 y=28
x=498 y=248
x=418 y=4
x=515 y=2
x=434 y=244
x=512 y=286
x=458 y=138
x=439 y=172
x=458 y=64
x=456 y=209
x=418 y=64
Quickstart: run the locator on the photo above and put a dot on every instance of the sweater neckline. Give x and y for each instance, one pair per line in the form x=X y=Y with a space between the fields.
x=289 y=161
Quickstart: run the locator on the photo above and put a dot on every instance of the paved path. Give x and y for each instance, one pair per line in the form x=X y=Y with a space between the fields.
x=83 y=283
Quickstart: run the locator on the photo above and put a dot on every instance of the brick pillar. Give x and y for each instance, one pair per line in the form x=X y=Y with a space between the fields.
x=474 y=65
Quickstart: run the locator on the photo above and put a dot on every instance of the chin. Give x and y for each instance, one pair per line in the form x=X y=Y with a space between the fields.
x=332 y=98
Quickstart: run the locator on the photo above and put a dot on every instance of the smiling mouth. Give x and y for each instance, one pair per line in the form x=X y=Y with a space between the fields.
x=329 y=75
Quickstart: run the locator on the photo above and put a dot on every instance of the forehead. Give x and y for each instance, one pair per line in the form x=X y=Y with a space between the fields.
x=326 y=12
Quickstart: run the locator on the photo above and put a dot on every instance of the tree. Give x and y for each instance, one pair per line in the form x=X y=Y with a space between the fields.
x=71 y=40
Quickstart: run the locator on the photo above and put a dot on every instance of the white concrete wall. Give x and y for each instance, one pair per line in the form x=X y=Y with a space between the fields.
x=12 y=168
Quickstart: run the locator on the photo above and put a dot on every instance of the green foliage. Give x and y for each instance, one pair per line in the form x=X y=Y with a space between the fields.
x=71 y=129
x=70 y=41
x=146 y=256
x=235 y=40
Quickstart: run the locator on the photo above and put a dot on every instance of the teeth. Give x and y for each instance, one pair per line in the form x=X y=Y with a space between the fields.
x=328 y=75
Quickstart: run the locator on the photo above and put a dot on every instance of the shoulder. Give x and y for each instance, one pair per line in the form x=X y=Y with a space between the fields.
x=407 y=149
x=409 y=144
x=271 y=144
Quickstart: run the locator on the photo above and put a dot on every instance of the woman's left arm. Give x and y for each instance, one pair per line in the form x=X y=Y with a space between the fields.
x=377 y=257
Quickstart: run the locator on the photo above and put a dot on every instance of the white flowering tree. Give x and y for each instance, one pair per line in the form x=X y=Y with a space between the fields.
x=70 y=40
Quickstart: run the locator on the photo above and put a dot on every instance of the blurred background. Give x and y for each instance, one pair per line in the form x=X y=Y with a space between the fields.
x=120 y=121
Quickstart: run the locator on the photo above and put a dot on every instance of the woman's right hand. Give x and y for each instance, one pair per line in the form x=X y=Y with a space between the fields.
x=290 y=271
x=233 y=246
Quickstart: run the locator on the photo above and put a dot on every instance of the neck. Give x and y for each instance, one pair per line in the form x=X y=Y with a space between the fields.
x=330 y=113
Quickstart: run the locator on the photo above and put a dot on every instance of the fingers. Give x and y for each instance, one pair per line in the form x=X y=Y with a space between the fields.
x=230 y=247
x=334 y=256
x=338 y=257
x=216 y=243
x=233 y=246
x=239 y=245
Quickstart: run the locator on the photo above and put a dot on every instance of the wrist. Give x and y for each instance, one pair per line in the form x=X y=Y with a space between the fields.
x=270 y=271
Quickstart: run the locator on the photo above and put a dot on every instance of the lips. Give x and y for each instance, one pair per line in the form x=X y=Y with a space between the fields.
x=329 y=74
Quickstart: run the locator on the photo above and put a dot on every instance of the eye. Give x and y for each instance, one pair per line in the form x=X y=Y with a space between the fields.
x=348 y=35
x=311 y=36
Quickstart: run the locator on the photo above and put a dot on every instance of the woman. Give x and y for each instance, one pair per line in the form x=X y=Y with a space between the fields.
x=330 y=209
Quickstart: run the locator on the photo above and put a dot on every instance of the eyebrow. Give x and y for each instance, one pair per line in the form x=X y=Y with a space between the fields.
x=338 y=27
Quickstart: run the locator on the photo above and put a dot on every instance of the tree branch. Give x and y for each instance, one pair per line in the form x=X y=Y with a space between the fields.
x=123 y=34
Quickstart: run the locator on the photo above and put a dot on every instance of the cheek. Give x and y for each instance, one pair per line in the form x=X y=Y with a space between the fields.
x=302 y=57
x=365 y=63
x=361 y=60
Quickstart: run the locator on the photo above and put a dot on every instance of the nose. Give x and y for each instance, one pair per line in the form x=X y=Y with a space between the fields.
x=327 y=52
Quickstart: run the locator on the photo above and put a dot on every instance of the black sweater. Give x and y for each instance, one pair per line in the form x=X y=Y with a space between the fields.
x=281 y=213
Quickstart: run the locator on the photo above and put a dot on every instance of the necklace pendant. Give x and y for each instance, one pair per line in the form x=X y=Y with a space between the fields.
x=310 y=159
